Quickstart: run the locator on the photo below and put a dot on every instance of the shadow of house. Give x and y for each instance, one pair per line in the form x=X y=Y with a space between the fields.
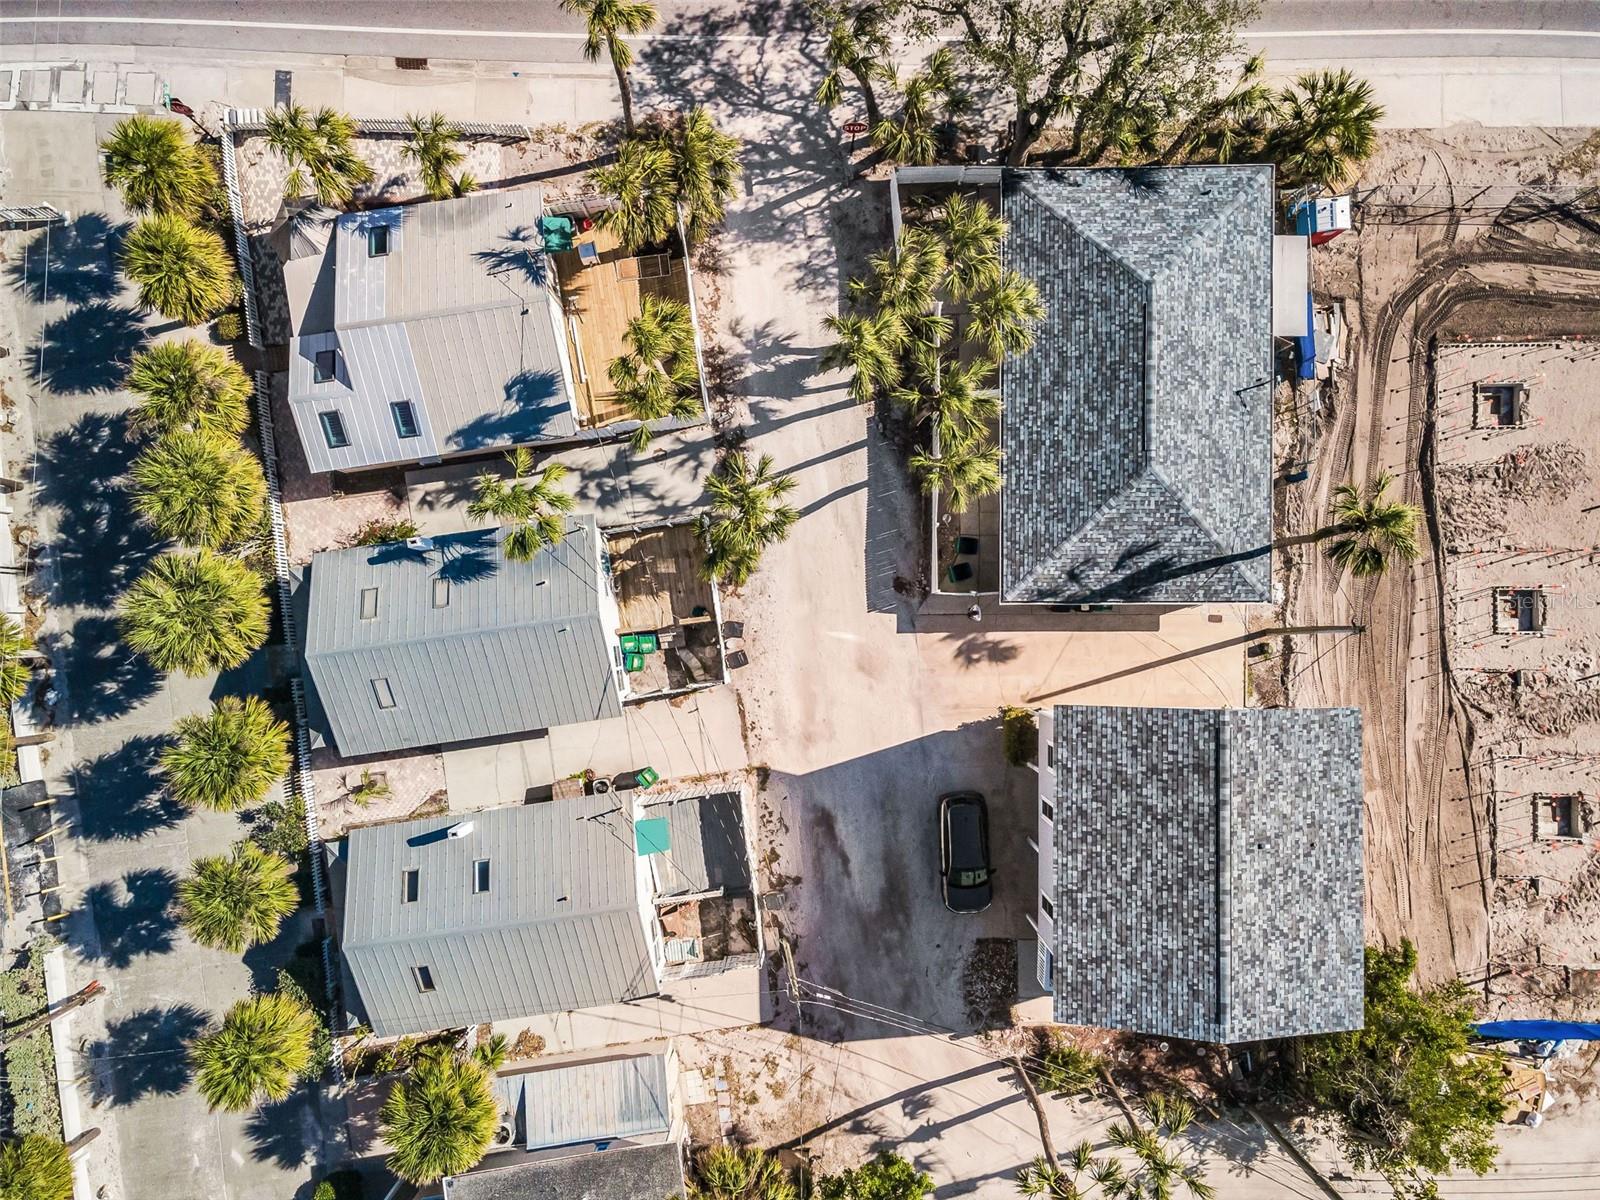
x=75 y=263
x=120 y=793
x=89 y=349
x=100 y=546
x=143 y=1054
x=134 y=919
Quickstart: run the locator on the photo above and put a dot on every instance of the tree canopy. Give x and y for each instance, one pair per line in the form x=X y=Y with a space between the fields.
x=187 y=384
x=440 y=1118
x=35 y=1167
x=156 y=167
x=227 y=759
x=1408 y=1095
x=886 y=1177
x=195 y=613
x=182 y=271
x=261 y=1048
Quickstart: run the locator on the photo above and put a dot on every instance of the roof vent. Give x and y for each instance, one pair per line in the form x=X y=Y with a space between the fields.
x=459 y=831
x=419 y=543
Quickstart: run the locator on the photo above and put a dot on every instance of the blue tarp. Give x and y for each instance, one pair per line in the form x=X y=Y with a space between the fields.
x=1539 y=1031
x=1308 y=344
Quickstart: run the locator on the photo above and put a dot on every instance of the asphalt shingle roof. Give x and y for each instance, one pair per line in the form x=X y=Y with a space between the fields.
x=621 y=1173
x=1208 y=871
x=1137 y=429
x=470 y=644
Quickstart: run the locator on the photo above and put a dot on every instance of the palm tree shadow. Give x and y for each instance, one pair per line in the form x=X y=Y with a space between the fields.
x=287 y=1133
x=105 y=677
x=89 y=349
x=142 y=1054
x=82 y=262
x=134 y=919
x=120 y=797
x=99 y=545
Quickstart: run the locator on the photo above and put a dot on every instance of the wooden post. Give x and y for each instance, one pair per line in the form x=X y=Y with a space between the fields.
x=31 y=1026
x=82 y=1140
x=1293 y=1152
x=1038 y=1112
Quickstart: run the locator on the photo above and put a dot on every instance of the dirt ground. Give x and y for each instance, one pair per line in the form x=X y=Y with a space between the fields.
x=1457 y=237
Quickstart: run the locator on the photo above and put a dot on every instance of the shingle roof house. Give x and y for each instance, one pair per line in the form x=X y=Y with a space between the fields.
x=1207 y=870
x=622 y=1173
x=1137 y=430
x=553 y=922
x=446 y=337
x=423 y=647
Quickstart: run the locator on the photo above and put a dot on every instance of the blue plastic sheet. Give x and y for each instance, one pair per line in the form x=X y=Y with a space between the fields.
x=1539 y=1031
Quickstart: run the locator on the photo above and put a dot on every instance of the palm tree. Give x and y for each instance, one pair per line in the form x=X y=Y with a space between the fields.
x=1231 y=127
x=741 y=1173
x=656 y=378
x=972 y=233
x=262 y=1047
x=156 y=168
x=182 y=272
x=440 y=1118
x=533 y=510
x=870 y=346
x=912 y=136
x=200 y=489
x=189 y=385
x=1369 y=530
x=238 y=901
x=15 y=673
x=858 y=42
x=961 y=473
x=196 y=613
x=962 y=406
x=320 y=150
x=639 y=185
x=746 y=516
x=226 y=759
x=35 y=1167
x=904 y=280
x=432 y=145
x=1002 y=319
x=606 y=23
x=703 y=167
x=1326 y=126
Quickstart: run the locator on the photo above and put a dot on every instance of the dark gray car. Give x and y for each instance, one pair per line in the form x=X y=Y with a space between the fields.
x=964 y=868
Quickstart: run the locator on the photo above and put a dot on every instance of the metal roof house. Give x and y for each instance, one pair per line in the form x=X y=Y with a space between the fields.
x=445 y=639
x=455 y=920
x=1137 y=430
x=1200 y=870
x=548 y=909
x=446 y=336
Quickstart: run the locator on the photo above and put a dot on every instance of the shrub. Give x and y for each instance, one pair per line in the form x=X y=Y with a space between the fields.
x=229 y=326
x=1067 y=1069
x=1019 y=734
x=383 y=530
x=30 y=1062
x=886 y=1177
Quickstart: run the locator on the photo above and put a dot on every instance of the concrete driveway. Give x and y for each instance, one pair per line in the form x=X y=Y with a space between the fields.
x=128 y=844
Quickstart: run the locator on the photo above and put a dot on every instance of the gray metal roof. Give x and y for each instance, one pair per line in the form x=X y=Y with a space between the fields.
x=460 y=318
x=1137 y=431
x=1208 y=871
x=708 y=846
x=513 y=647
x=560 y=927
x=606 y=1100
x=623 y=1173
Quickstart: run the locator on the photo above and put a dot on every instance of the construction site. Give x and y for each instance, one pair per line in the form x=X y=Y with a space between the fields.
x=1468 y=290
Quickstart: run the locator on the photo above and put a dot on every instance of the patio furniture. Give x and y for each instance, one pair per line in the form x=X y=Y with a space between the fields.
x=644 y=266
x=966 y=547
x=960 y=572
x=588 y=254
x=557 y=233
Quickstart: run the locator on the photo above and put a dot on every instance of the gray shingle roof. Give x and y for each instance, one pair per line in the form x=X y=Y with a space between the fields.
x=560 y=927
x=1137 y=430
x=459 y=318
x=1208 y=871
x=512 y=647
x=622 y=1173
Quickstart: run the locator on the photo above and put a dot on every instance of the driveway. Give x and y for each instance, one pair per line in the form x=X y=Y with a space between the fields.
x=128 y=845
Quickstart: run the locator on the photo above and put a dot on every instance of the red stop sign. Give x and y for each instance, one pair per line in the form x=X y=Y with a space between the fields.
x=854 y=128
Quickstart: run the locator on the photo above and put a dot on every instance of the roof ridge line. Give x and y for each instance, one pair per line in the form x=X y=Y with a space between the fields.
x=1078 y=229
x=515 y=299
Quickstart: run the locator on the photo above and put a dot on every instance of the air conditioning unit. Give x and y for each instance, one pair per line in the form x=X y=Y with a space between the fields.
x=459 y=830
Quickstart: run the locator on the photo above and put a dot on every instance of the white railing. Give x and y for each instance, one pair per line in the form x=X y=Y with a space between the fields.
x=241 y=237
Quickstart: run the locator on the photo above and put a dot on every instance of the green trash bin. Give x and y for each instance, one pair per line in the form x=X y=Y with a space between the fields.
x=648 y=644
x=646 y=777
x=633 y=662
x=630 y=643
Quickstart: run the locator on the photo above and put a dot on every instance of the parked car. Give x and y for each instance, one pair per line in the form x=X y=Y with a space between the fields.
x=964 y=869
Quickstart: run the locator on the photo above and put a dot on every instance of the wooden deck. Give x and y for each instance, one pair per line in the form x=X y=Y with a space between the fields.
x=604 y=298
x=657 y=578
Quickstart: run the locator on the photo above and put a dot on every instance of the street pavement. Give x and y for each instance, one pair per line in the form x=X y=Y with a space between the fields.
x=127 y=844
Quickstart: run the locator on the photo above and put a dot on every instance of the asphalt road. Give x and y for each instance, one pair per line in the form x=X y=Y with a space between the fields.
x=539 y=31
